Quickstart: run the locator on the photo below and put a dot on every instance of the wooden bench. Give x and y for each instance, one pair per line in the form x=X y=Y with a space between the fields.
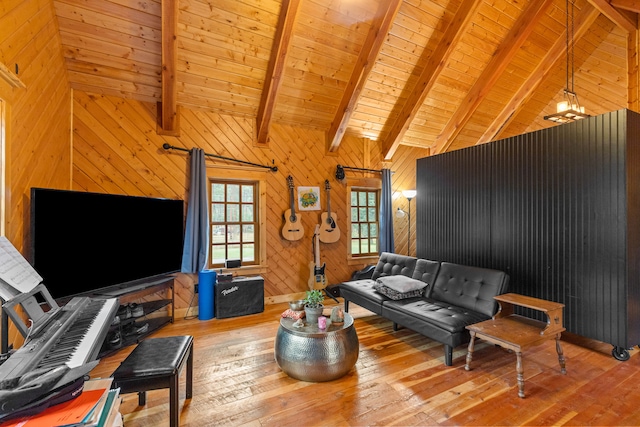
x=156 y=363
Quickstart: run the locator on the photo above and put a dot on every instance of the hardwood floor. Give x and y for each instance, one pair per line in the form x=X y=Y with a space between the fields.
x=399 y=379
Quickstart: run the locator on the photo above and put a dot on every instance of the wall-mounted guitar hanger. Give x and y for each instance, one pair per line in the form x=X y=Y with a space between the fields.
x=167 y=146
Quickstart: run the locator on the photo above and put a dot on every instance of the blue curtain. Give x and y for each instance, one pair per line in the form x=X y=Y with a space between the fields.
x=386 y=214
x=196 y=236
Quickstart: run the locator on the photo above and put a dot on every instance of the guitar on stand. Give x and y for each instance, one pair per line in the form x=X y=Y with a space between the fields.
x=292 y=229
x=317 y=278
x=329 y=231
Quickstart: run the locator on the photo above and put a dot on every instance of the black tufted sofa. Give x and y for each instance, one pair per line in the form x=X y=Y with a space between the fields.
x=456 y=296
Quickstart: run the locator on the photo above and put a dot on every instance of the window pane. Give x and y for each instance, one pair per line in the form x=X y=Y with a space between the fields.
x=248 y=252
x=355 y=231
x=362 y=214
x=372 y=214
x=247 y=193
x=217 y=254
x=354 y=198
x=233 y=213
x=233 y=193
x=364 y=230
x=217 y=212
x=373 y=230
x=234 y=252
x=374 y=245
x=217 y=193
x=247 y=213
x=362 y=198
x=234 y=233
x=371 y=199
x=365 y=245
x=217 y=233
x=248 y=233
x=355 y=247
x=354 y=214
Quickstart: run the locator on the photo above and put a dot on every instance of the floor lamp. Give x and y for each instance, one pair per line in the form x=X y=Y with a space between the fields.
x=409 y=194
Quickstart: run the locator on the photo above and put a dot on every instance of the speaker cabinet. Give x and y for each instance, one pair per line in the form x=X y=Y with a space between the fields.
x=239 y=297
x=232 y=263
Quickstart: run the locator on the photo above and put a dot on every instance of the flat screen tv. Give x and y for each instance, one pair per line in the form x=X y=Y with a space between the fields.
x=83 y=242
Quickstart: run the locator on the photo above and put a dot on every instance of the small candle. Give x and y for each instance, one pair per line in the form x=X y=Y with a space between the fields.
x=322 y=322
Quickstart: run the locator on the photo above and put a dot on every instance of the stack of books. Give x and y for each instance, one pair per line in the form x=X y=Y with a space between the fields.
x=97 y=406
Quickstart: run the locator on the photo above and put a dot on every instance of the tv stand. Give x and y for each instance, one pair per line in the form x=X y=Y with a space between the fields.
x=157 y=312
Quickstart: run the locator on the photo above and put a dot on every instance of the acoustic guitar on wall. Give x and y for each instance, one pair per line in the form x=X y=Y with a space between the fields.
x=329 y=231
x=292 y=229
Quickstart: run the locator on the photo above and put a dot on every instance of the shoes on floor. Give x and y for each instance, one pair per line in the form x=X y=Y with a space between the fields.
x=115 y=340
x=124 y=312
x=136 y=310
x=128 y=311
x=135 y=329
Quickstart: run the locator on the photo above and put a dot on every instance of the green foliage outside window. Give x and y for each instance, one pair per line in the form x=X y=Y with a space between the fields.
x=364 y=222
x=234 y=226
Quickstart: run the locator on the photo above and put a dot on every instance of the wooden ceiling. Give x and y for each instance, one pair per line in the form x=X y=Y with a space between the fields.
x=434 y=74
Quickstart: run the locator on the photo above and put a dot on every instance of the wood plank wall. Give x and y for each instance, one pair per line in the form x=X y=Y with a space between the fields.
x=117 y=150
x=37 y=118
x=37 y=152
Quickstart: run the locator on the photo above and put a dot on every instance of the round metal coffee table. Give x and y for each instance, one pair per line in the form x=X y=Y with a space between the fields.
x=310 y=354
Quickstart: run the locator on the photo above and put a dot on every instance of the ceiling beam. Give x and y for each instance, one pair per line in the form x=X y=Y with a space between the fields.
x=628 y=22
x=520 y=31
x=432 y=69
x=583 y=22
x=630 y=5
x=9 y=77
x=376 y=36
x=168 y=119
x=275 y=69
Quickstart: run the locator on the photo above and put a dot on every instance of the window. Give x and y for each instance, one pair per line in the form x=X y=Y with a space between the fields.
x=235 y=225
x=364 y=222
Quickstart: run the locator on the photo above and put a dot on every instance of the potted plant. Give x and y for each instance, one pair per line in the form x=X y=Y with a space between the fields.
x=313 y=305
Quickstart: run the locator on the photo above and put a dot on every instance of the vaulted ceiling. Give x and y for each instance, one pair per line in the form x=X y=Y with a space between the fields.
x=435 y=74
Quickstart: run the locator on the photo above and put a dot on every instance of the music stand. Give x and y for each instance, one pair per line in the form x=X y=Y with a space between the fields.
x=7 y=293
x=31 y=307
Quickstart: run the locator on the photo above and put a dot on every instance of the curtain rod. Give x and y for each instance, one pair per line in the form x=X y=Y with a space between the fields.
x=360 y=169
x=340 y=170
x=167 y=146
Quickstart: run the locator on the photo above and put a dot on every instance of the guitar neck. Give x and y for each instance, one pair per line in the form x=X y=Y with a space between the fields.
x=316 y=247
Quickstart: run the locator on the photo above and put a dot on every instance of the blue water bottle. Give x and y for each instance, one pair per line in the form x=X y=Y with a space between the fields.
x=206 y=285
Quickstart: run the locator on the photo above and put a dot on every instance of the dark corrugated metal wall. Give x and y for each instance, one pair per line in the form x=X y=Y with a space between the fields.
x=552 y=208
x=456 y=207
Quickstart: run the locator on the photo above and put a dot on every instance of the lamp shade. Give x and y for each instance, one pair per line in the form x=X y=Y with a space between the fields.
x=409 y=194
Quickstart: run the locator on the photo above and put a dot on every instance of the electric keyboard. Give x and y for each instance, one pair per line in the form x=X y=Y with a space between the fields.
x=72 y=336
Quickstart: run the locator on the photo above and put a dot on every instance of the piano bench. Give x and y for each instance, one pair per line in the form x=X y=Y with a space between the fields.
x=155 y=364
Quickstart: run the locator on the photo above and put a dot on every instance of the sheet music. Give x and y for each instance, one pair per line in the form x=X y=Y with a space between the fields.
x=15 y=271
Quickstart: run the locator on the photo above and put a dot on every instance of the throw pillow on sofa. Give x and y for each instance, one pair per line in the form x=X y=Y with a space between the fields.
x=395 y=295
x=401 y=283
x=399 y=287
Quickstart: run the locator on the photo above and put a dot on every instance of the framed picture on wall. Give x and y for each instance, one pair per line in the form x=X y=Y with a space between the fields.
x=308 y=198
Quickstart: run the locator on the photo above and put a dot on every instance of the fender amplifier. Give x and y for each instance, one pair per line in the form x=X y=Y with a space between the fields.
x=239 y=297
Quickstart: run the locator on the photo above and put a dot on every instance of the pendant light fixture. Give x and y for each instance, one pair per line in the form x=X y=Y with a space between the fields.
x=569 y=109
